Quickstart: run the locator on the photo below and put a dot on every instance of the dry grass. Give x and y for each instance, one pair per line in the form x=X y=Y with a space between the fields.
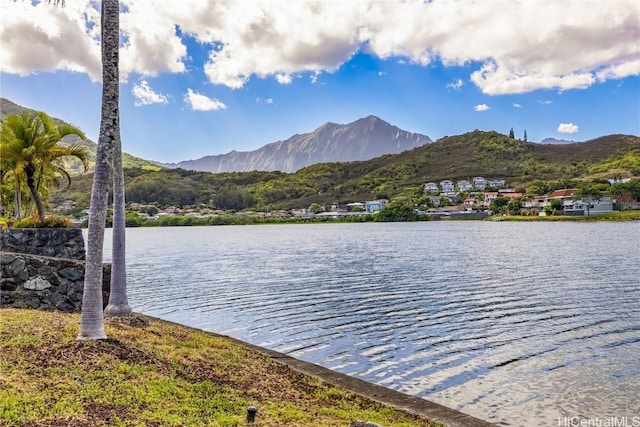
x=158 y=375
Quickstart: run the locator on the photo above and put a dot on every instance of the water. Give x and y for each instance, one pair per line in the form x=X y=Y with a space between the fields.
x=516 y=323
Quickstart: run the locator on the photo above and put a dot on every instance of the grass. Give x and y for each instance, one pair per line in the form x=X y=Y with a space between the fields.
x=158 y=375
x=609 y=216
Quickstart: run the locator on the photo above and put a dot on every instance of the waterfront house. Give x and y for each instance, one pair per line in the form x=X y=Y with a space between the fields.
x=375 y=205
x=489 y=197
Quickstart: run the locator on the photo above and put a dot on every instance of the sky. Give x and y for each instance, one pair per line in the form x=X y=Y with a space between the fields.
x=204 y=77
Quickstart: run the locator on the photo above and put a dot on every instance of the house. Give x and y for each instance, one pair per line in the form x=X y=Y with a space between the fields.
x=479 y=183
x=464 y=185
x=434 y=201
x=489 y=197
x=496 y=183
x=375 y=205
x=571 y=206
x=431 y=187
x=470 y=202
x=510 y=194
x=447 y=187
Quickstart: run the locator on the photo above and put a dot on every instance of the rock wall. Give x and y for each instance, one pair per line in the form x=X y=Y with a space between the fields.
x=51 y=242
x=43 y=268
x=45 y=283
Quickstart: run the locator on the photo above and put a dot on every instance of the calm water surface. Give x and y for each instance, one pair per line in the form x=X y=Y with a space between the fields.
x=517 y=324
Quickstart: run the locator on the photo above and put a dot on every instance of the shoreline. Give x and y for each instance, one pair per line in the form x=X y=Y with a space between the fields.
x=395 y=399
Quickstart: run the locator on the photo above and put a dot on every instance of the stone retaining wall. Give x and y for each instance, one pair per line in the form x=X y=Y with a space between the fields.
x=51 y=242
x=45 y=283
x=43 y=268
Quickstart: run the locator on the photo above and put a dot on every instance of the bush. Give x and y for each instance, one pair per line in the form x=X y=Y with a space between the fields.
x=49 y=222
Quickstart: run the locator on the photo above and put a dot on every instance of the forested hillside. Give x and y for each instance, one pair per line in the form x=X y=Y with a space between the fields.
x=477 y=153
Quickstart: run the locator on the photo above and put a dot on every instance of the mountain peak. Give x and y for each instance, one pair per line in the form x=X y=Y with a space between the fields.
x=363 y=139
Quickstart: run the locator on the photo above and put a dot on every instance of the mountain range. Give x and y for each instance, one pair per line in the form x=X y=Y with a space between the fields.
x=557 y=141
x=363 y=139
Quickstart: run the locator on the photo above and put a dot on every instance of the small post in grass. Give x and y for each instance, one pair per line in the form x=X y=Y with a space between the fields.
x=251 y=414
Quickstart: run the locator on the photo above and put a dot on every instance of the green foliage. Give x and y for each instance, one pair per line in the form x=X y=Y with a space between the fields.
x=397 y=212
x=499 y=204
x=623 y=165
x=477 y=153
x=48 y=222
x=555 y=205
x=31 y=154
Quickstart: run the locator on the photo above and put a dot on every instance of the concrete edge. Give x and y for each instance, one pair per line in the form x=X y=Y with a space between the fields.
x=413 y=405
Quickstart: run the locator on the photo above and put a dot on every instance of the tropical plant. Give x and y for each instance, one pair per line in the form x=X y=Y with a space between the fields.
x=30 y=148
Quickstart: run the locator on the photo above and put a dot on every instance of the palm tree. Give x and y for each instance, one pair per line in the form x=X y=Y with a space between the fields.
x=118 y=304
x=29 y=146
x=91 y=317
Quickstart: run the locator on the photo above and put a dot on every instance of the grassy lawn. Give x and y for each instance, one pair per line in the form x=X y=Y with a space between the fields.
x=158 y=375
x=609 y=216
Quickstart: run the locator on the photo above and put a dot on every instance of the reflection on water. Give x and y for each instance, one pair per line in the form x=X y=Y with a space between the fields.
x=517 y=324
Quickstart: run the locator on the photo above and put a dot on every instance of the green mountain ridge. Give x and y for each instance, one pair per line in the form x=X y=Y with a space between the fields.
x=478 y=153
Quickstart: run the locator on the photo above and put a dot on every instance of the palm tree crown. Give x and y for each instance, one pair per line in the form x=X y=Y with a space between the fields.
x=30 y=148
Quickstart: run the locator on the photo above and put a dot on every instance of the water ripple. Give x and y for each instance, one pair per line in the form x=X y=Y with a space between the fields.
x=518 y=324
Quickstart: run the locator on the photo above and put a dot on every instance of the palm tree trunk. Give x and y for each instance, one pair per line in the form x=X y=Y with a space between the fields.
x=118 y=304
x=91 y=318
x=31 y=183
x=17 y=202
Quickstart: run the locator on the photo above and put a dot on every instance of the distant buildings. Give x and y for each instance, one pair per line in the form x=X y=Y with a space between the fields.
x=448 y=188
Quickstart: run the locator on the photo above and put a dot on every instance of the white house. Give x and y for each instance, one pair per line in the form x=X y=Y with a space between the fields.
x=479 y=182
x=447 y=186
x=464 y=185
x=431 y=187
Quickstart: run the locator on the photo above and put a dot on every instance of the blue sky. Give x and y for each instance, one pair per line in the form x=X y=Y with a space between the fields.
x=203 y=77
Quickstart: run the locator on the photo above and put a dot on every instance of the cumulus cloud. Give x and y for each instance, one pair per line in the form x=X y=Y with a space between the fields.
x=545 y=102
x=481 y=107
x=199 y=102
x=516 y=105
x=567 y=128
x=144 y=95
x=280 y=38
x=284 y=79
x=264 y=100
x=456 y=84
x=43 y=37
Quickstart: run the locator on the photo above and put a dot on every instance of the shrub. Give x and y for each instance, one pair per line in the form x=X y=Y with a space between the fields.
x=49 y=222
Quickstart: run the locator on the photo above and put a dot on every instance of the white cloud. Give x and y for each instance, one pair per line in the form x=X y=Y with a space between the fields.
x=481 y=107
x=456 y=84
x=545 y=102
x=43 y=37
x=560 y=45
x=144 y=95
x=567 y=128
x=201 y=102
x=284 y=79
x=516 y=105
x=264 y=100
